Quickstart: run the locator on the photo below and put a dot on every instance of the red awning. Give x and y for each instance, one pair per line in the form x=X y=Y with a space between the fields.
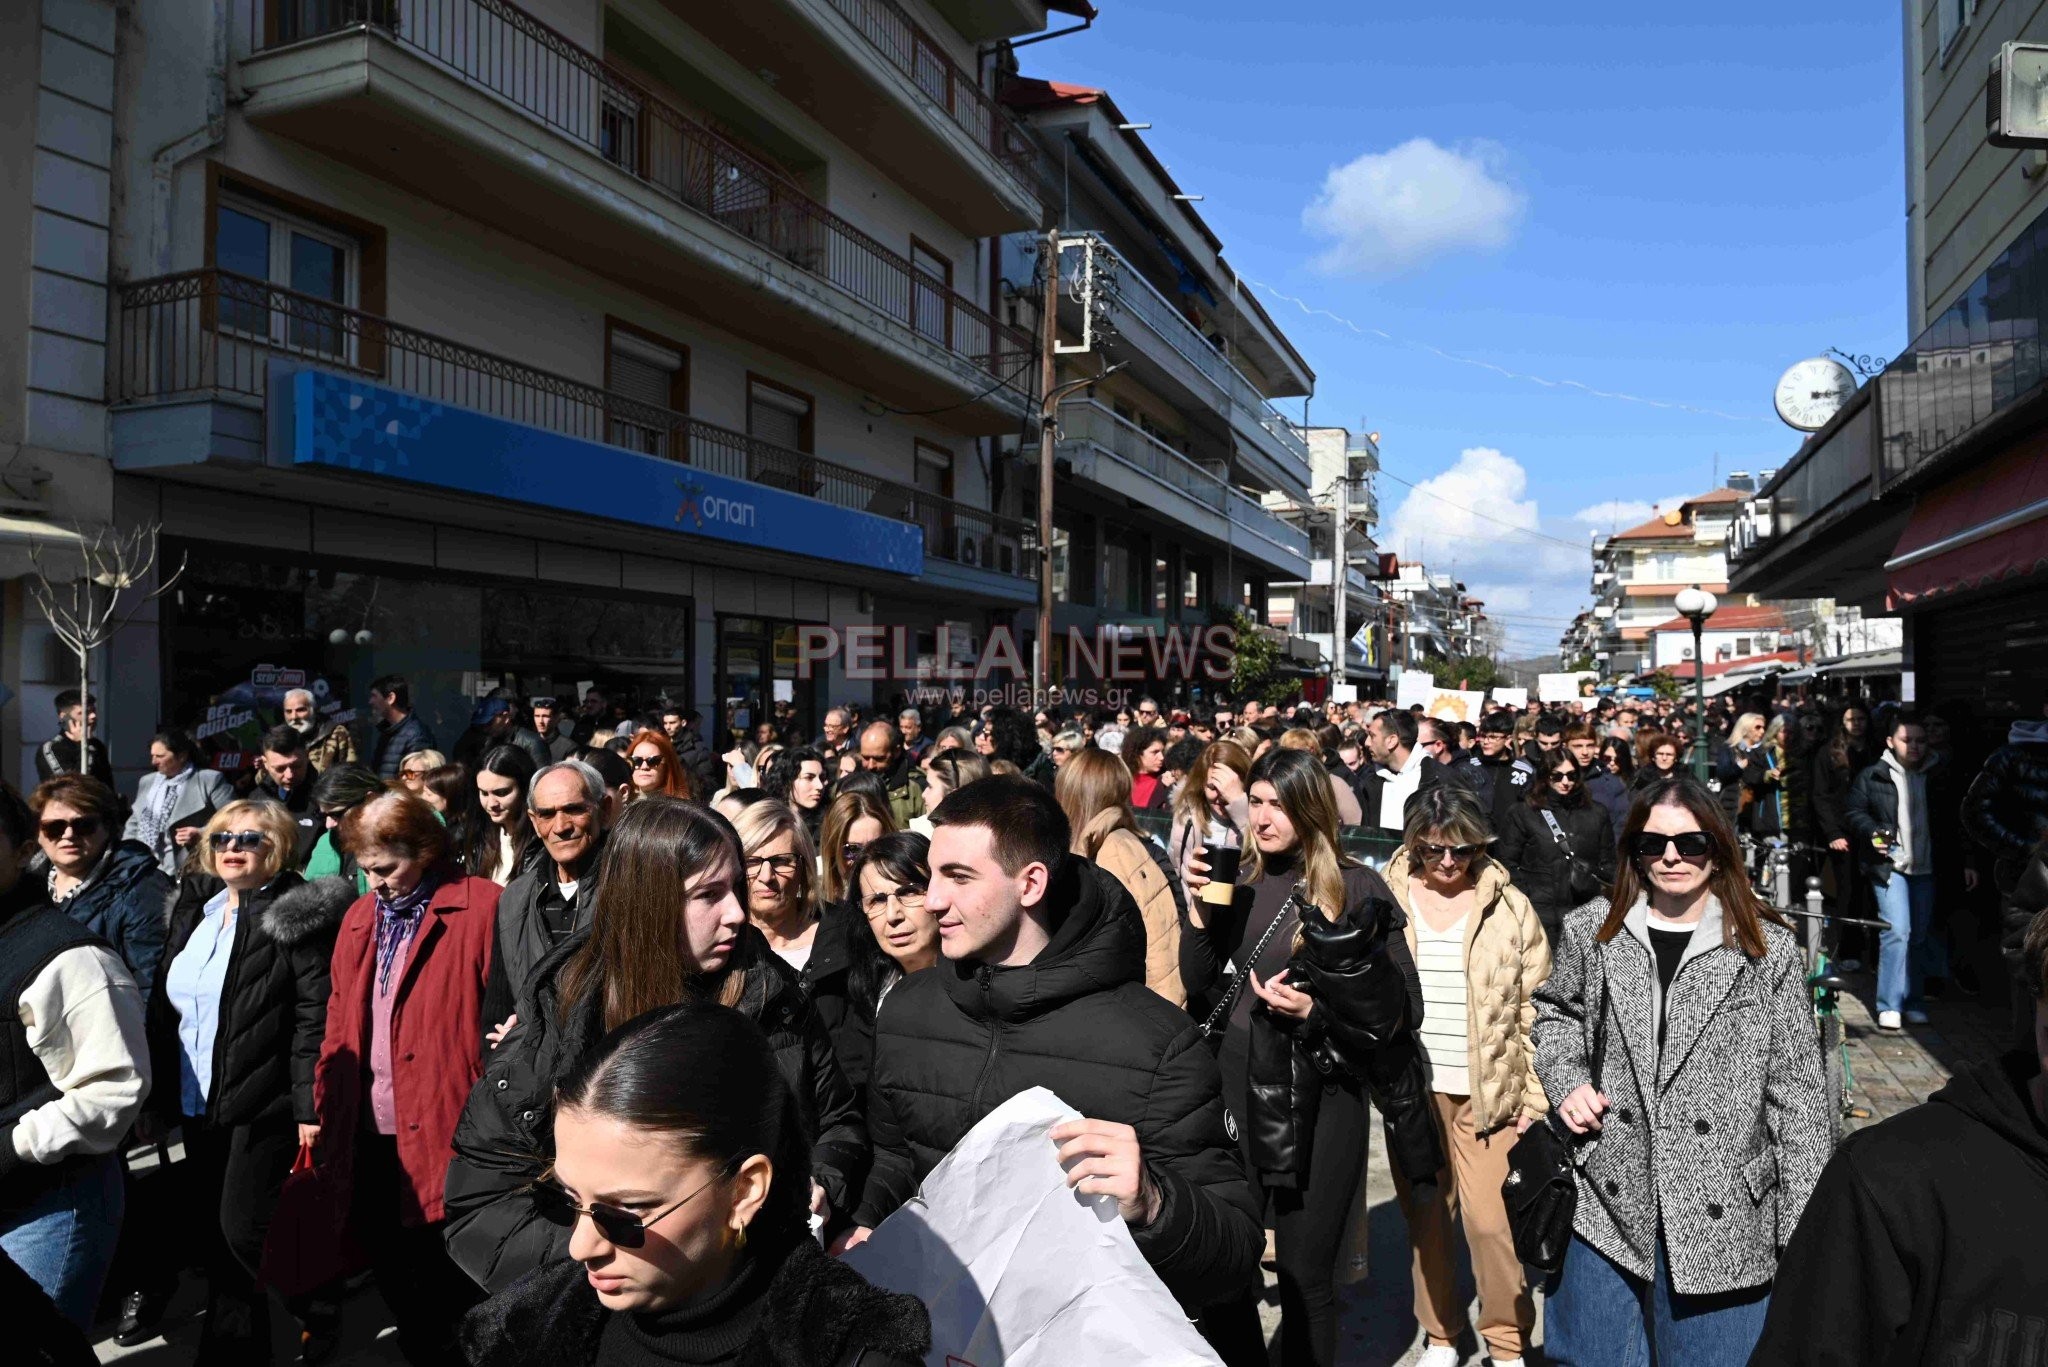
x=1988 y=526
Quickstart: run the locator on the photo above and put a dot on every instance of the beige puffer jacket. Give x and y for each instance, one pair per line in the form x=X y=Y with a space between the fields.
x=1507 y=957
x=1122 y=852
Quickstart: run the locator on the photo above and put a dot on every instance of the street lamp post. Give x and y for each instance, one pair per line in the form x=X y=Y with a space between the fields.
x=1696 y=605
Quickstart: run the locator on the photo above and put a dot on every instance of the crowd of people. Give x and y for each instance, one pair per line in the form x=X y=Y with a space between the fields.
x=597 y=1039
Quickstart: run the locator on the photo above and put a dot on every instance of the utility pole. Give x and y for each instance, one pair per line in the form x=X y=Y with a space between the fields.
x=1048 y=327
x=1340 y=580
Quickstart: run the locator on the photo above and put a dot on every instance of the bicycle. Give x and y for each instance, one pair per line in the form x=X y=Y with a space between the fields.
x=1827 y=989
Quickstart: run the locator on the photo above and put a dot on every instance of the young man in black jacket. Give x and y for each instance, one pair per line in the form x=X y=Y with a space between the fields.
x=1921 y=1242
x=1042 y=984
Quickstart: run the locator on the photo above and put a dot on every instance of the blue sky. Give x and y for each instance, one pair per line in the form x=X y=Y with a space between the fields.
x=1654 y=205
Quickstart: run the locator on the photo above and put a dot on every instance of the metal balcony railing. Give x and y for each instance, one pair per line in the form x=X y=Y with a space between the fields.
x=501 y=49
x=216 y=332
x=1247 y=513
x=1086 y=420
x=915 y=53
x=1137 y=294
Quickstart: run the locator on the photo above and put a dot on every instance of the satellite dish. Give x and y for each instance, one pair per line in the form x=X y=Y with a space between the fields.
x=1813 y=391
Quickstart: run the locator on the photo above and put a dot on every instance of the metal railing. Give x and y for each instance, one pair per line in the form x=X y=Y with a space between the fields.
x=1134 y=292
x=214 y=332
x=1089 y=421
x=915 y=53
x=1248 y=514
x=501 y=49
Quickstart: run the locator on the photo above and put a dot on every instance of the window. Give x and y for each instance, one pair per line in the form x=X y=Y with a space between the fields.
x=781 y=421
x=316 y=264
x=1194 y=582
x=648 y=371
x=935 y=477
x=1952 y=16
x=1123 y=572
x=931 y=287
x=1162 y=585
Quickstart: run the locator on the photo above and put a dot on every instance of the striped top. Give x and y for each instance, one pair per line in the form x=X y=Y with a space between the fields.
x=1440 y=962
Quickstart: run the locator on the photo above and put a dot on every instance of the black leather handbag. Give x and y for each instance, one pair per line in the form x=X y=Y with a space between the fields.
x=1541 y=1191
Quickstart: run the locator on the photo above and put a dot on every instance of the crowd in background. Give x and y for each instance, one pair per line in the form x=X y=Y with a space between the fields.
x=423 y=1013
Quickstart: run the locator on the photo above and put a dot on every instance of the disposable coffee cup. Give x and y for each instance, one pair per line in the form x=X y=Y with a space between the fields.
x=1223 y=862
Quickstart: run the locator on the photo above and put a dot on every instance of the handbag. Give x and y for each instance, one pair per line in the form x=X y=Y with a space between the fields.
x=308 y=1244
x=1584 y=884
x=1541 y=1190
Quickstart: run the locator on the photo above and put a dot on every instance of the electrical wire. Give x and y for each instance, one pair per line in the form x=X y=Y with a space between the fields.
x=1484 y=517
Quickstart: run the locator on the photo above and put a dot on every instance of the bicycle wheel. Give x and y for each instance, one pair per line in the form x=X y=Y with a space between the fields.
x=1834 y=1060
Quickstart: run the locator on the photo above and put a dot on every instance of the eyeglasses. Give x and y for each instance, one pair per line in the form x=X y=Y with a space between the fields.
x=1691 y=845
x=781 y=865
x=572 y=810
x=622 y=1228
x=78 y=827
x=248 y=842
x=1431 y=852
x=646 y=761
x=910 y=899
x=851 y=852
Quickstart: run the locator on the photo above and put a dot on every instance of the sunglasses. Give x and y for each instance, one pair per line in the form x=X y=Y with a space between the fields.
x=572 y=810
x=851 y=852
x=248 y=842
x=412 y=773
x=646 y=761
x=79 y=827
x=1565 y=776
x=622 y=1228
x=1432 y=852
x=1691 y=845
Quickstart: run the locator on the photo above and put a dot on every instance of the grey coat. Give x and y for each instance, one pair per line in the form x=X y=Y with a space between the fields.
x=205 y=793
x=1717 y=1140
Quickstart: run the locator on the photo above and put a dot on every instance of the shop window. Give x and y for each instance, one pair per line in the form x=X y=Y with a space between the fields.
x=317 y=264
x=931 y=280
x=653 y=373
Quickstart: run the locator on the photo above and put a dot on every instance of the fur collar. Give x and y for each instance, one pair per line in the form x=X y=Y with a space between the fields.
x=308 y=910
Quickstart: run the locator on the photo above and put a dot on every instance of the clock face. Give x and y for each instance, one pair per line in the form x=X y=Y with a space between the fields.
x=1813 y=391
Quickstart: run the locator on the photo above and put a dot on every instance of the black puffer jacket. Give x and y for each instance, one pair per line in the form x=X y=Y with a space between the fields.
x=123 y=902
x=2006 y=809
x=1537 y=864
x=505 y=1139
x=963 y=1038
x=1365 y=1021
x=273 y=1008
x=828 y=977
x=818 y=1312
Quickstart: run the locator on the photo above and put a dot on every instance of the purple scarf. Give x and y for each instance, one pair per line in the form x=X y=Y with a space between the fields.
x=396 y=922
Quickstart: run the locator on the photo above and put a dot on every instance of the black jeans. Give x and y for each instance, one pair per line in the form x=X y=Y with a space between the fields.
x=231 y=1178
x=426 y=1292
x=1308 y=1230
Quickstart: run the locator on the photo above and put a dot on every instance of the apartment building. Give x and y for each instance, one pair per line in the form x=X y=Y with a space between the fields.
x=539 y=344
x=1161 y=466
x=1337 y=457
x=1927 y=494
x=1431 y=616
x=1638 y=573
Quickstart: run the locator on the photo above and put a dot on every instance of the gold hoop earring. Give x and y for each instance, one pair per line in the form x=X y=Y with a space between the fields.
x=739 y=1239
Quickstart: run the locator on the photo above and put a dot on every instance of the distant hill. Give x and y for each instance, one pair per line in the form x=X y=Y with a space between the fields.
x=1524 y=672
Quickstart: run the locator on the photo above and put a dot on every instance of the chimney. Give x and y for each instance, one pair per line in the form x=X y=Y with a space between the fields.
x=1740 y=480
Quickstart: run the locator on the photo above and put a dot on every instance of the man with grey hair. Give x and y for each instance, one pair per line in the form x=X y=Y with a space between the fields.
x=836 y=738
x=910 y=722
x=551 y=901
x=327 y=743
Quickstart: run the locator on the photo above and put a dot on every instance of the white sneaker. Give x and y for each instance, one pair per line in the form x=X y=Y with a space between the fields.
x=1439 y=1355
x=1887 y=1020
x=1916 y=1018
x=1505 y=1362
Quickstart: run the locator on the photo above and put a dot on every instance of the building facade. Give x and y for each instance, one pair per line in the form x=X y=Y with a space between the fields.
x=1308 y=608
x=1639 y=572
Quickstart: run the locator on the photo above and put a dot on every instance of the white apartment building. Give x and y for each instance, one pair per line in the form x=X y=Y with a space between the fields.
x=1638 y=573
x=1307 y=608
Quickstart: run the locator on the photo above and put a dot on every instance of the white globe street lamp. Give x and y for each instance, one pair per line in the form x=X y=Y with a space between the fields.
x=1696 y=605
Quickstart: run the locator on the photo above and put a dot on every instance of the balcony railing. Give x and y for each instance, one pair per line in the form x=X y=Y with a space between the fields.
x=214 y=332
x=912 y=51
x=1134 y=292
x=501 y=49
x=1086 y=420
x=1247 y=513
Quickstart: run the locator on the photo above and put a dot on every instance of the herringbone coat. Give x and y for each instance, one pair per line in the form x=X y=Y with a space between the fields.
x=1717 y=1138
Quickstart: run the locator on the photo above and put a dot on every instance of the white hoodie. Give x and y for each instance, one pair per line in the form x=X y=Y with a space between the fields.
x=83 y=1015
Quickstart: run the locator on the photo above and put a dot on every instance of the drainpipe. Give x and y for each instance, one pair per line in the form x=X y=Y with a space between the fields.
x=164 y=165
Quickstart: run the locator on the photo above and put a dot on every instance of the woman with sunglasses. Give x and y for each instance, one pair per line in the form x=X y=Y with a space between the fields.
x=1327 y=1008
x=679 y=1186
x=781 y=868
x=414 y=768
x=494 y=836
x=854 y=818
x=1557 y=844
x=1481 y=954
x=402 y=1048
x=235 y=1024
x=869 y=943
x=1675 y=1039
x=656 y=770
x=336 y=793
x=670 y=925
x=113 y=888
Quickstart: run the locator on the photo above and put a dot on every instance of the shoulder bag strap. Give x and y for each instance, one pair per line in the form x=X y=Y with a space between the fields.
x=1214 y=1024
x=1556 y=831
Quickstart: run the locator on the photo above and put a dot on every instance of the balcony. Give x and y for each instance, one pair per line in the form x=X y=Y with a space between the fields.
x=212 y=335
x=477 y=105
x=1127 y=460
x=867 y=71
x=1271 y=447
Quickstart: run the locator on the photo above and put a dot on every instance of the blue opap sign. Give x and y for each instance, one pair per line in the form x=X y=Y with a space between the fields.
x=351 y=424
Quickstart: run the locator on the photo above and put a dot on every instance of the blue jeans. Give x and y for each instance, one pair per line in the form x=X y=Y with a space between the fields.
x=1905 y=903
x=1601 y=1316
x=64 y=1239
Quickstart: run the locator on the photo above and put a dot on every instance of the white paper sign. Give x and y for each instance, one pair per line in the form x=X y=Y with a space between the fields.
x=1018 y=1270
x=1454 y=705
x=1561 y=687
x=1416 y=687
x=1517 y=698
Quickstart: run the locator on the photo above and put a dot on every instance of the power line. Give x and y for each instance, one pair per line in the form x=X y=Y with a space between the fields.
x=1486 y=517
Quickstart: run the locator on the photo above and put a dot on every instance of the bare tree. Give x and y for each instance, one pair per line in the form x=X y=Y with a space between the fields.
x=85 y=611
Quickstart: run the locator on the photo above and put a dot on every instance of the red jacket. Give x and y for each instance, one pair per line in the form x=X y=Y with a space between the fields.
x=436 y=1038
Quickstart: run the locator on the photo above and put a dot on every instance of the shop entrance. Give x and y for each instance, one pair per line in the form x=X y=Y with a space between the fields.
x=757 y=681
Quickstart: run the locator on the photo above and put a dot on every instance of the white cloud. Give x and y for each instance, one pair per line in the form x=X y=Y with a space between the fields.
x=1392 y=211
x=1463 y=521
x=1625 y=512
